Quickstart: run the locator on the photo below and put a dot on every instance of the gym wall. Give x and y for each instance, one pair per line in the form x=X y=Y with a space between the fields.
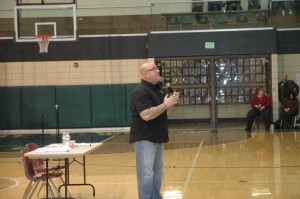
x=97 y=92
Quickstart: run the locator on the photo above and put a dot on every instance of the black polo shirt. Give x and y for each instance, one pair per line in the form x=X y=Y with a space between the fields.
x=144 y=96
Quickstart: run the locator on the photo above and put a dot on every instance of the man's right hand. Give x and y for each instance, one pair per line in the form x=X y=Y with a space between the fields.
x=171 y=100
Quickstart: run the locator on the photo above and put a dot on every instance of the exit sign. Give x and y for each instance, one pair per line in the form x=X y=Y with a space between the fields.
x=209 y=45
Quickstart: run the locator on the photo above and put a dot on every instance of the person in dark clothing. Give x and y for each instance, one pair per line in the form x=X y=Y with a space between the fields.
x=149 y=130
x=254 y=4
x=289 y=109
x=198 y=7
x=215 y=5
x=261 y=105
x=233 y=5
x=287 y=87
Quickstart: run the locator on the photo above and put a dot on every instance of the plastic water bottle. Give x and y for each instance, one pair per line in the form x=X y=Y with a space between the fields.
x=68 y=138
x=272 y=127
x=64 y=138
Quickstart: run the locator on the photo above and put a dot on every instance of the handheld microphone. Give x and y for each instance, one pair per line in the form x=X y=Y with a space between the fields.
x=168 y=85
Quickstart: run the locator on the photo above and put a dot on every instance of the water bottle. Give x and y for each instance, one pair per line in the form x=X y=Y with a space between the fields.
x=272 y=127
x=64 y=139
x=68 y=138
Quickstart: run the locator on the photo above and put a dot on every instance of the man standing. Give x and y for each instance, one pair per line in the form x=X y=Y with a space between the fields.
x=286 y=87
x=149 y=130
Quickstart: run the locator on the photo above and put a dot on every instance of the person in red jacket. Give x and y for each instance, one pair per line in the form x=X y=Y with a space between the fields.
x=289 y=109
x=261 y=105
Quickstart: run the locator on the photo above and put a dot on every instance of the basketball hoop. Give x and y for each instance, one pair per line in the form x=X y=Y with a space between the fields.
x=43 y=41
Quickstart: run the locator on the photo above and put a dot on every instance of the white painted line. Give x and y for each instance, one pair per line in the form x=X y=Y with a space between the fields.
x=16 y=183
x=187 y=181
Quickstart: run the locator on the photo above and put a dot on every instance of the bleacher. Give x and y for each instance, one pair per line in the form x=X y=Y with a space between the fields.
x=162 y=17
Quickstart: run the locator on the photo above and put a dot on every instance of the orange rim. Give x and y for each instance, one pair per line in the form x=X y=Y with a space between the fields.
x=43 y=37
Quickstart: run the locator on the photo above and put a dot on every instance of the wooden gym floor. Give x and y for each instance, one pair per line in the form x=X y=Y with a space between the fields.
x=229 y=164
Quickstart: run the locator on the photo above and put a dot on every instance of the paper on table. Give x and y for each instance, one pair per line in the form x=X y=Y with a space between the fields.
x=57 y=149
x=83 y=144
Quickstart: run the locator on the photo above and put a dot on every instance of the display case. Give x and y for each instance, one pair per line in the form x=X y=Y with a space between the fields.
x=238 y=79
x=189 y=77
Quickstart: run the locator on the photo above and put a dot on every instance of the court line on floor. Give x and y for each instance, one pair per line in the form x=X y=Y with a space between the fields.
x=16 y=183
x=191 y=170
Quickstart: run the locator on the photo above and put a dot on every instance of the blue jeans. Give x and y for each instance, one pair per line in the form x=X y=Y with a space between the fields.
x=149 y=168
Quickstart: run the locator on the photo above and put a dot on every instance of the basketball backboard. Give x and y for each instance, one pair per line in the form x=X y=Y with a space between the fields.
x=45 y=17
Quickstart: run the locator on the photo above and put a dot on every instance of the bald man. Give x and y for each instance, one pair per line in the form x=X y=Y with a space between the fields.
x=287 y=87
x=149 y=130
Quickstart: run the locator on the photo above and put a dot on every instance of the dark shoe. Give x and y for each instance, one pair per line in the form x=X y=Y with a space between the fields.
x=287 y=125
x=247 y=130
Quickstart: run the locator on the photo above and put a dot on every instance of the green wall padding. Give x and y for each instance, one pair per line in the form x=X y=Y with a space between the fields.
x=78 y=106
x=10 y=111
x=108 y=105
x=129 y=89
x=74 y=106
x=34 y=102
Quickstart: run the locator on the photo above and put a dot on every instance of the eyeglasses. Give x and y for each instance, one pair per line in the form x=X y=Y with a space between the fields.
x=153 y=69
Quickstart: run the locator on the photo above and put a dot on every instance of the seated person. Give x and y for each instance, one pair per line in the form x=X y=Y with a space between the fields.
x=288 y=5
x=281 y=6
x=215 y=5
x=289 y=109
x=198 y=7
x=233 y=5
x=253 y=4
x=261 y=105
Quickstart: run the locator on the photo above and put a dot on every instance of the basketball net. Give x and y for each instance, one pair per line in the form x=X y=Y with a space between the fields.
x=43 y=41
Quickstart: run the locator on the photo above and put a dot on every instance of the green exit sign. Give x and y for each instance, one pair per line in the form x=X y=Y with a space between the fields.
x=209 y=45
